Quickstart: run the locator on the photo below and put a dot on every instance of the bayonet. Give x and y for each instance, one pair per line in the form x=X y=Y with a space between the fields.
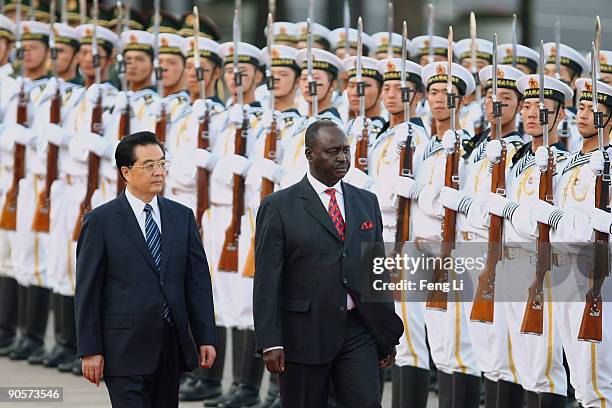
x=269 y=74
x=543 y=110
x=405 y=90
x=83 y=11
x=157 y=68
x=196 y=53
x=359 y=69
x=312 y=83
x=52 y=47
x=557 y=48
x=347 y=24
x=390 y=29
x=514 y=40
x=430 y=31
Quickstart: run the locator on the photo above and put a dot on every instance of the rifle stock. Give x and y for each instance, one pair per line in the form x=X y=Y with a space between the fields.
x=124 y=130
x=402 y=231
x=361 y=151
x=161 y=125
x=229 y=255
x=8 y=218
x=203 y=175
x=41 y=220
x=267 y=186
x=93 y=171
x=484 y=299
x=533 y=318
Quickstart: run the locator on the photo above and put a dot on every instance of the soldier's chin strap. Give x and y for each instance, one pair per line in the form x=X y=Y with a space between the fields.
x=604 y=126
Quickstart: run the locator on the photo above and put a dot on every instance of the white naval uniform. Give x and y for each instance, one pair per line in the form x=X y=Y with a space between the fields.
x=384 y=167
x=37 y=246
x=590 y=364
x=489 y=340
x=569 y=126
x=537 y=360
x=218 y=216
x=14 y=261
x=70 y=187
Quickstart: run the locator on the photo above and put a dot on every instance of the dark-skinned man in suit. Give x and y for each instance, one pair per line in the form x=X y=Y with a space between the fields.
x=144 y=309
x=311 y=323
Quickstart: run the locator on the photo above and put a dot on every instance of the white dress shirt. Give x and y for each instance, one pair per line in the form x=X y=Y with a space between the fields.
x=138 y=207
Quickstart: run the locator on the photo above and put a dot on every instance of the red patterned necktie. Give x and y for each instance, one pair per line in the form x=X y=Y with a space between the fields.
x=334 y=212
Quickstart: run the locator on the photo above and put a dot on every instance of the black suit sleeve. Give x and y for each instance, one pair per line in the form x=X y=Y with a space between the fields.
x=90 y=267
x=198 y=290
x=269 y=264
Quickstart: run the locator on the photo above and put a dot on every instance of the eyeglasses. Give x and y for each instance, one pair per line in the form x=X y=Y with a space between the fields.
x=149 y=168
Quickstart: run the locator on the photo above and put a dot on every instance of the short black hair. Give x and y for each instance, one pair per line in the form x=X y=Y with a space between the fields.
x=124 y=154
x=313 y=130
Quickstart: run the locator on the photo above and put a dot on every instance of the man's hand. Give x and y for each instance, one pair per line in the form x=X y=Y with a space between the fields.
x=387 y=361
x=207 y=356
x=93 y=368
x=275 y=361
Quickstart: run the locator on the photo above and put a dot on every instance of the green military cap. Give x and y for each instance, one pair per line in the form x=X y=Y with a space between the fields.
x=208 y=28
x=168 y=23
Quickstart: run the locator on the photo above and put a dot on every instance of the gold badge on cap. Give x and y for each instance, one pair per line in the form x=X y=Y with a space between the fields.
x=441 y=70
x=533 y=83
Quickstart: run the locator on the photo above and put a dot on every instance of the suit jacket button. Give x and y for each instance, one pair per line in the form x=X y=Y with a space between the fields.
x=344 y=254
x=343 y=308
x=344 y=280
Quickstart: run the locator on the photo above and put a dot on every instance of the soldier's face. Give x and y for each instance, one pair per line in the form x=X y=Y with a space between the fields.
x=606 y=78
x=65 y=57
x=372 y=93
x=392 y=96
x=138 y=66
x=584 y=117
x=566 y=73
x=85 y=58
x=323 y=80
x=382 y=55
x=291 y=44
x=531 y=115
x=5 y=49
x=424 y=59
x=526 y=70
x=507 y=97
x=35 y=54
x=315 y=44
x=480 y=63
x=172 y=69
x=341 y=52
x=437 y=97
x=248 y=72
x=212 y=73
x=285 y=81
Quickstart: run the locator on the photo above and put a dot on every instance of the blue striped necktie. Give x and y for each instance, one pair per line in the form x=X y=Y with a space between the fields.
x=153 y=237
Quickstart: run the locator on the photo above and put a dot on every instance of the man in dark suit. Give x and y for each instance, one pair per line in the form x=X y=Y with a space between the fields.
x=144 y=310
x=310 y=320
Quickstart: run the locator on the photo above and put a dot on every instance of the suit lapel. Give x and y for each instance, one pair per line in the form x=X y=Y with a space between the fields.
x=129 y=225
x=167 y=231
x=314 y=206
x=350 y=210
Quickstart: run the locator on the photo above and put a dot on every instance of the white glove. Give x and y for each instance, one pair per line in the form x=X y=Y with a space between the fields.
x=92 y=93
x=57 y=135
x=542 y=212
x=596 y=163
x=448 y=141
x=407 y=187
x=358 y=126
x=270 y=170
x=541 y=157
x=240 y=164
x=455 y=200
x=200 y=107
x=235 y=114
x=496 y=204
x=50 y=88
x=601 y=221
x=494 y=151
x=266 y=120
x=121 y=100
x=358 y=178
x=205 y=159
x=98 y=146
x=23 y=135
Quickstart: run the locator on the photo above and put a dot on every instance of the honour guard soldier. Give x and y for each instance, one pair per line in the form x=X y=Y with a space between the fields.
x=208 y=28
x=423 y=43
x=320 y=36
x=489 y=342
x=455 y=365
x=231 y=167
x=537 y=360
x=605 y=66
x=526 y=58
x=8 y=285
x=571 y=66
x=380 y=43
x=411 y=370
x=284 y=33
x=188 y=147
x=338 y=41
x=18 y=142
x=69 y=192
x=35 y=189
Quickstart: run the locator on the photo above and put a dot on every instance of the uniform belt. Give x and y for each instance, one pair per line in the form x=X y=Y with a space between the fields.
x=468 y=236
x=511 y=253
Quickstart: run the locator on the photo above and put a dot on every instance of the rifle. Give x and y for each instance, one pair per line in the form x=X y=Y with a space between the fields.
x=162 y=121
x=514 y=40
x=93 y=160
x=438 y=299
x=40 y=222
x=267 y=186
x=533 y=318
x=346 y=16
x=8 y=219
x=483 y=305
x=591 y=323
x=361 y=149
x=390 y=23
x=402 y=231
x=430 y=33
x=312 y=83
x=202 y=175
x=229 y=255
x=474 y=69
x=124 y=120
